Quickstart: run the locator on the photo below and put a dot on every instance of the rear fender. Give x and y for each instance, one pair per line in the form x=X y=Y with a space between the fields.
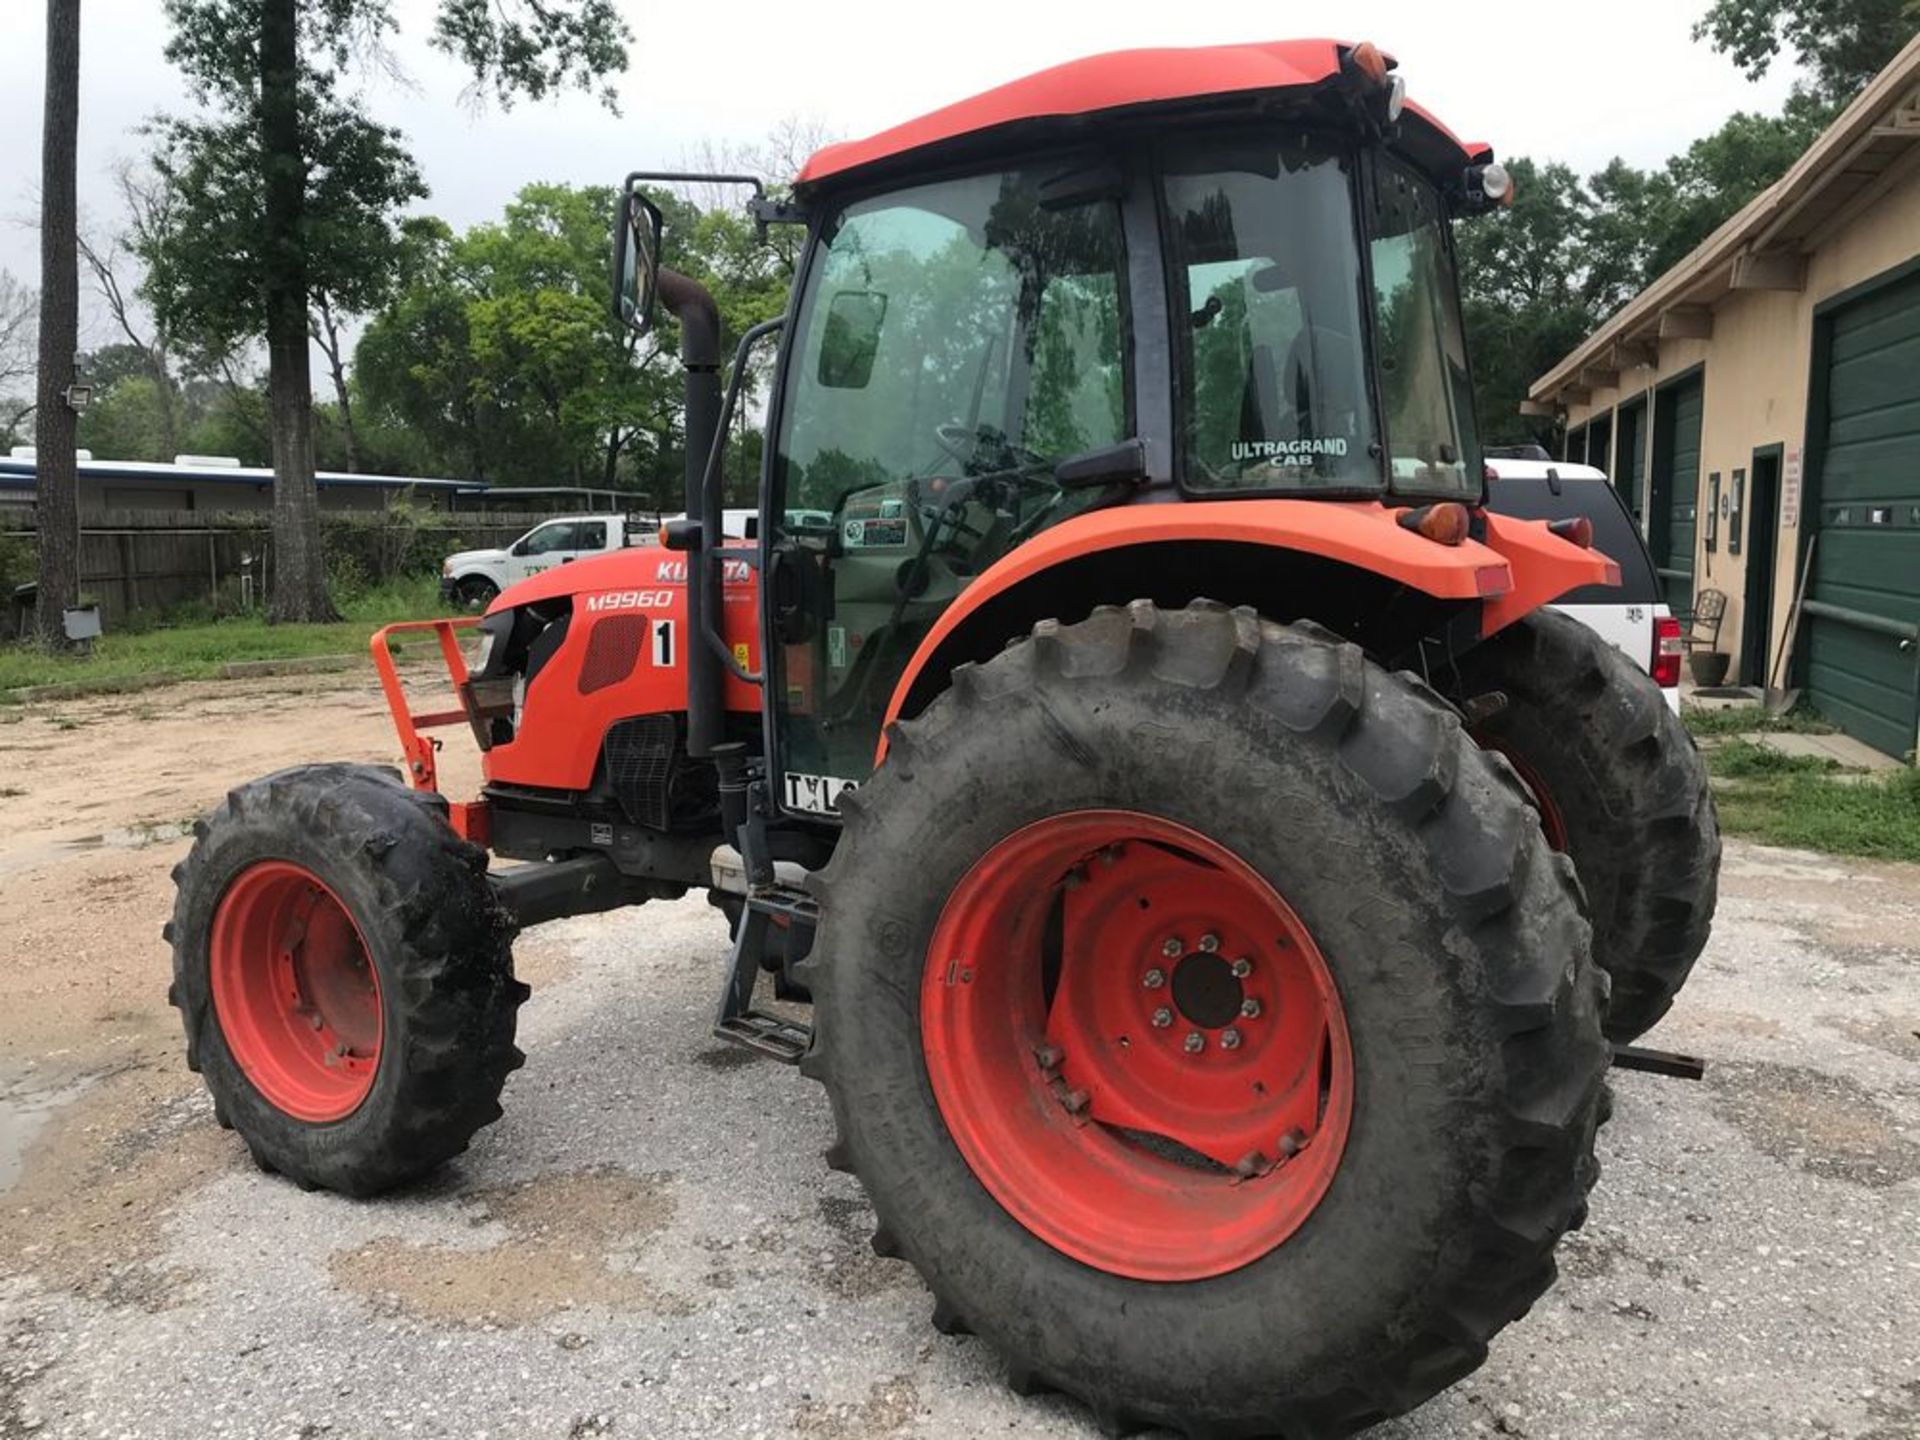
x=1544 y=567
x=1362 y=536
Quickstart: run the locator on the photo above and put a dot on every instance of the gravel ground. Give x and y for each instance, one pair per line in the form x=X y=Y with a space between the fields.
x=649 y=1244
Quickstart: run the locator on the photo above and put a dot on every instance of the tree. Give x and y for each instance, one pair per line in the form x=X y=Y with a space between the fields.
x=19 y=317
x=54 y=458
x=502 y=354
x=145 y=209
x=1842 y=44
x=1525 y=293
x=1717 y=175
x=311 y=189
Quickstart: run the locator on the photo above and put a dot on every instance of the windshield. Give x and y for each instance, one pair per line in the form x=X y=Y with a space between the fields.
x=955 y=341
x=950 y=328
x=1424 y=387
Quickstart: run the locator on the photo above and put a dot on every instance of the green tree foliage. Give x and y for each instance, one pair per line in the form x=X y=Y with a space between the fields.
x=1842 y=44
x=1539 y=277
x=206 y=268
x=501 y=352
x=287 y=196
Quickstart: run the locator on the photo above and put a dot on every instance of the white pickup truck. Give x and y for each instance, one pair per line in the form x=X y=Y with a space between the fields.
x=472 y=578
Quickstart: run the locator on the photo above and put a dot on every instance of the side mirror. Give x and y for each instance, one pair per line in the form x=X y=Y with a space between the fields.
x=636 y=260
x=851 y=339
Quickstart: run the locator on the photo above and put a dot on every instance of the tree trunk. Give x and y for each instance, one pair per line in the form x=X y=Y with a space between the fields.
x=610 y=466
x=327 y=333
x=300 y=584
x=54 y=458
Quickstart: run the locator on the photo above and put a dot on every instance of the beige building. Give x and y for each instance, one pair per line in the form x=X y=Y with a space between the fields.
x=1759 y=404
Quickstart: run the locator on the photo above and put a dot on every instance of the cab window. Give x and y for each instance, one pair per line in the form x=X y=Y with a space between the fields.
x=1266 y=270
x=549 y=538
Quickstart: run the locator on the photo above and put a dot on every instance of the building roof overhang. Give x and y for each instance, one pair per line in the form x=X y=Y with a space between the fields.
x=1872 y=146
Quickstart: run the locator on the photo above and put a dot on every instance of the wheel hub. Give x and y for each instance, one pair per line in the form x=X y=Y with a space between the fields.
x=295 y=991
x=1207 y=991
x=1180 y=1024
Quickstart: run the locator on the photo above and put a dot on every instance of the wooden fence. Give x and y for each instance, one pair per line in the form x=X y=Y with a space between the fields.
x=154 y=560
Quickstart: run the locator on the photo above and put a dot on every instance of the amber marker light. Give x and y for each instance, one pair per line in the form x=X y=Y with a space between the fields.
x=1575 y=529
x=1367 y=59
x=1444 y=523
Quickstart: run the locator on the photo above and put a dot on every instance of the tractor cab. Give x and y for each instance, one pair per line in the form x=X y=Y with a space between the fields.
x=1184 y=275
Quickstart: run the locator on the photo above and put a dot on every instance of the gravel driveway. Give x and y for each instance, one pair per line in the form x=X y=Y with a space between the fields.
x=649 y=1244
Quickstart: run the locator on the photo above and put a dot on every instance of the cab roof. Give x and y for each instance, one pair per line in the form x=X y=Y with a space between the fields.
x=1120 y=81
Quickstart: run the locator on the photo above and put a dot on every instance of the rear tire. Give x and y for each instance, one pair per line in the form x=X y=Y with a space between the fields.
x=1453 y=935
x=1622 y=789
x=345 y=976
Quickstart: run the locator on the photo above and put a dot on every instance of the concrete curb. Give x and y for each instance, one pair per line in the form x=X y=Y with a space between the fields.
x=299 y=665
x=81 y=689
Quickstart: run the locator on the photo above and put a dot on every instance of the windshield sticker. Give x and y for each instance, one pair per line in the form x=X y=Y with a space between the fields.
x=1288 y=449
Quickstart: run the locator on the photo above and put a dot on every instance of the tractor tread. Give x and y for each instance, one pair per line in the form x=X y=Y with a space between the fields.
x=1633 y=790
x=1509 y=897
x=444 y=942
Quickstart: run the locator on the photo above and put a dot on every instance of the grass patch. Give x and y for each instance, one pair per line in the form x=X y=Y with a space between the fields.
x=1752 y=720
x=1808 y=803
x=199 y=648
x=1744 y=760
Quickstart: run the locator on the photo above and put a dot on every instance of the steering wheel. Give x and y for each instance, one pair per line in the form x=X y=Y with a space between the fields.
x=984 y=451
x=957 y=440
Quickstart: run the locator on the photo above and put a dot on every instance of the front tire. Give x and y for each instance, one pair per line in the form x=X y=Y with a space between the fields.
x=1622 y=789
x=475 y=593
x=1206 y=776
x=344 y=974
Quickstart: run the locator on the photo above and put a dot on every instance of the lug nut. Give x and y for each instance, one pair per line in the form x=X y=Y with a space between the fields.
x=1154 y=979
x=1195 y=1042
x=1291 y=1144
x=1250 y=1008
x=1075 y=1101
x=1048 y=1057
x=1242 y=968
x=1170 y=946
x=1229 y=1039
x=1162 y=1018
x=1209 y=943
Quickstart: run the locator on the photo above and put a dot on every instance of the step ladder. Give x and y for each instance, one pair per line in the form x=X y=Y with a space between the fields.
x=739 y=1023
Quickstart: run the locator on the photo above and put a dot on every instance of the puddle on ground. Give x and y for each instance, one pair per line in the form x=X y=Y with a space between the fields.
x=126 y=837
x=22 y=1113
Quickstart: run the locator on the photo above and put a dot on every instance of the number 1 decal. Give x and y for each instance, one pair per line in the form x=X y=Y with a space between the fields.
x=663 y=644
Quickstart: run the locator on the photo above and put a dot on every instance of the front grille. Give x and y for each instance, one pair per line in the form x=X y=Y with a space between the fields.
x=640 y=754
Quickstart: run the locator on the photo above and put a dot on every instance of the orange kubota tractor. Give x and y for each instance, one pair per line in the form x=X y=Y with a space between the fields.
x=1115 y=729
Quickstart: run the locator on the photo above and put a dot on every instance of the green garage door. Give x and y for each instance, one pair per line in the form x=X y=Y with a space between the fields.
x=1676 y=489
x=1863 y=610
x=1630 y=465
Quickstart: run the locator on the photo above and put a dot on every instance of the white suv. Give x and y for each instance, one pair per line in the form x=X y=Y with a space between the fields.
x=1631 y=616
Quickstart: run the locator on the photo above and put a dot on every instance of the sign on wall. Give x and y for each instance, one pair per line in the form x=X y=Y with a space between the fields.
x=1790 y=490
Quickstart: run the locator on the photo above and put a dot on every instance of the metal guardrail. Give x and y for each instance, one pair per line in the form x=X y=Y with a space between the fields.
x=1862 y=620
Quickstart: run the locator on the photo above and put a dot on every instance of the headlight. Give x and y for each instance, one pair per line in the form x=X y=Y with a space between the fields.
x=484 y=652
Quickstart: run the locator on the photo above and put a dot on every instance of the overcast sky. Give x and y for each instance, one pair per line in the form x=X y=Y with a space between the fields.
x=1627 y=81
